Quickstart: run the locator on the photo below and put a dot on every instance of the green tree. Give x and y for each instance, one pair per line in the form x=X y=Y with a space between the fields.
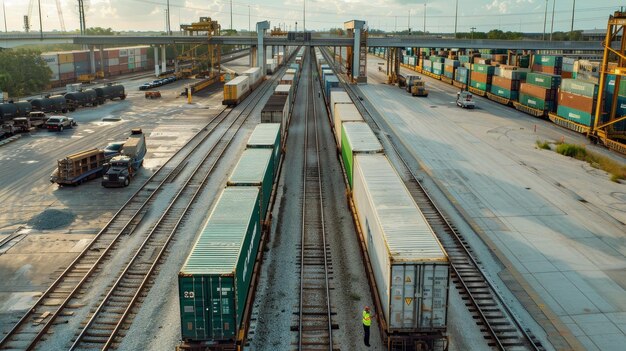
x=99 y=31
x=337 y=31
x=23 y=72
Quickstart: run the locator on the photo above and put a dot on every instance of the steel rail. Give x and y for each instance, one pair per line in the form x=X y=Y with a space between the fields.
x=249 y=106
x=114 y=240
x=311 y=98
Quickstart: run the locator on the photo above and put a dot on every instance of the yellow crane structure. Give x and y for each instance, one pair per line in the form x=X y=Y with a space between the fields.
x=613 y=63
x=603 y=129
x=193 y=53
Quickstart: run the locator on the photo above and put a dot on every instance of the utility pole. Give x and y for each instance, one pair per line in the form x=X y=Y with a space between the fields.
x=409 y=22
x=456 y=15
x=40 y=21
x=167 y=19
x=571 y=30
x=249 y=28
x=4 y=13
x=304 y=16
x=552 y=22
x=472 y=30
x=81 y=16
x=395 y=29
x=231 y=14
x=545 y=18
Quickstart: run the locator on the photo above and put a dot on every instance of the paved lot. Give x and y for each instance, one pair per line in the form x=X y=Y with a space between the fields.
x=559 y=221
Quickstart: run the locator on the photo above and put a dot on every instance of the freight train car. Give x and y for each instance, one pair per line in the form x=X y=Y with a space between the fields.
x=110 y=92
x=214 y=282
x=267 y=136
x=56 y=103
x=256 y=169
x=83 y=98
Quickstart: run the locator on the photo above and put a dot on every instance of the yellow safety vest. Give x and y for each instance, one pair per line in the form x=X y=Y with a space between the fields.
x=367 y=320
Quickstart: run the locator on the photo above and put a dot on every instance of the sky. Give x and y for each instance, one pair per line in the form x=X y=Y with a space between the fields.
x=388 y=15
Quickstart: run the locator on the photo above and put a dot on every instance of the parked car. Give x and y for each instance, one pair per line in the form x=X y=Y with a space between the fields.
x=59 y=123
x=145 y=86
x=113 y=149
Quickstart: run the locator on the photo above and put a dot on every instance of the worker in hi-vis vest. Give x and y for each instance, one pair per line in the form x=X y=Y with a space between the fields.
x=367 y=322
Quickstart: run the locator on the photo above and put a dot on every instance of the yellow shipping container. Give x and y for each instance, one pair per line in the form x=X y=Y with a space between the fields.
x=66 y=58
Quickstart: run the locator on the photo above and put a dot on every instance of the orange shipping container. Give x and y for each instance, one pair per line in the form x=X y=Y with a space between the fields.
x=578 y=102
x=481 y=77
x=536 y=91
x=66 y=58
x=505 y=83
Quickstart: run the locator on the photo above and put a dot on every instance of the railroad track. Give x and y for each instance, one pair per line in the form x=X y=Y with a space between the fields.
x=314 y=317
x=54 y=307
x=111 y=318
x=499 y=325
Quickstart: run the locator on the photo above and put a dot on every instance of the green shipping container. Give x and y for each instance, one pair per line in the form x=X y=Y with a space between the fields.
x=548 y=60
x=505 y=93
x=483 y=68
x=579 y=87
x=480 y=85
x=534 y=102
x=267 y=136
x=256 y=168
x=357 y=138
x=548 y=81
x=575 y=115
x=214 y=281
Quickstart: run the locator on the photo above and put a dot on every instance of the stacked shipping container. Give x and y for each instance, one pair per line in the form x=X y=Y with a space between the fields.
x=539 y=91
x=481 y=77
x=506 y=82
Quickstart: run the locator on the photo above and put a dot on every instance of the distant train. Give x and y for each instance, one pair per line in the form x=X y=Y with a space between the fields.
x=62 y=103
x=240 y=87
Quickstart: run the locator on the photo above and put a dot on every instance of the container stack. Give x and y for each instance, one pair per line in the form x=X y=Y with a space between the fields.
x=331 y=81
x=461 y=74
x=587 y=70
x=449 y=67
x=519 y=60
x=567 y=70
x=539 y=91
x=506 y=81
x=481 y=77
x=577 y=101
x=427 y=65
x=276 y=110
x=437 y=64
x=547 y=64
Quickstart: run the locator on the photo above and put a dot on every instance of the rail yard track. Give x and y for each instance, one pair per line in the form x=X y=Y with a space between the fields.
x=499 y=325
x=123 y=293
x=314 y=312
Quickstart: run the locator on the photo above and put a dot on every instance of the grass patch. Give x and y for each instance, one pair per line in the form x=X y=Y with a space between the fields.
x=543 y=145
x=579 y=152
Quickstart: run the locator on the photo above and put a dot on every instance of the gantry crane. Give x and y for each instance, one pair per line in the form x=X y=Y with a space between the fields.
x=191 y=53
x=603 y=128
x=29 y=15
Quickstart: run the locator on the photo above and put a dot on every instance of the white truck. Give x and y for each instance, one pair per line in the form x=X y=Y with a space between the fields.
x=465 y=99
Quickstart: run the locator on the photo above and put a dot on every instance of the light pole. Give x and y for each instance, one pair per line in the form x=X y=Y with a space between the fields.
x=167 y=20
x=304 y=16
x=456 y=15
x=545 y=18
x=552 y=22
x=249 y=28
x=409 y=25
x=424 y=17
x=4 y=13
x=40 y=21
x=572 y=29
x=231 y=14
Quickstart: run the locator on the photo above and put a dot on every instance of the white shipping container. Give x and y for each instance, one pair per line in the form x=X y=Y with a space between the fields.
x=361 y=138
x=344 y=113
x=66 y=67
x=254 y=74
x=50 y=59
x=270 y=66
x=240 y=84
x=286 y=79
x=410 y=266
x=506 y=73
x=283 y=89
x=338 y=97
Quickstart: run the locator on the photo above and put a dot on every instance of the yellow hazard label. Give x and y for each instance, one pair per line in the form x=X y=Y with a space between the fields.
x=408 y=300
x=407 y=279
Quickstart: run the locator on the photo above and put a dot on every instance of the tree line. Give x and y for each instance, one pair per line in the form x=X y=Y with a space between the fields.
x=23 y=72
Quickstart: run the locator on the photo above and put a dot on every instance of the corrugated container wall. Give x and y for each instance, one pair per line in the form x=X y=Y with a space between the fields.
x=410 y=266
x=218 y=270
x=357 y=138
x=234 y=89
x=267 y=136
x=256 y=168
x=338 y=97
x=345 y=113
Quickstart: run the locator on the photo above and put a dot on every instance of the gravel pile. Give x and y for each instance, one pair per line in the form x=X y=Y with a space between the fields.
x=52 y=219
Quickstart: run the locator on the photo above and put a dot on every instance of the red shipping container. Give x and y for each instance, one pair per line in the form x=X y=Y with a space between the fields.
x=113 y=53
x=481 y=77
x=546 y=69
x=82 y=56
x=144 y=51
x=579 y=102
x=537 y=91
x=124 y=60
x=566 y=74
